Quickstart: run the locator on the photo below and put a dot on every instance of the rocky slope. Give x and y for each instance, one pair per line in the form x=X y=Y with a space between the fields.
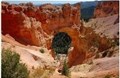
x=29 y=29
x=33 y=58
x=100 y=68
x=30 y=55
x=106 y=8
x=105 y=26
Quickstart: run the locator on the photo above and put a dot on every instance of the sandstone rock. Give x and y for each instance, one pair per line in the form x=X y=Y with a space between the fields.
x=23 y=29
x=78 y=54
x=27 y=56
x=54 y=17
x=100 y=68
x=30 y=24
x=105 y=26
x=18 y=8
x=106 y=8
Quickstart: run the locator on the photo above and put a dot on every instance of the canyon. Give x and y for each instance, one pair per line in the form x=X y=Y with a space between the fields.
x=27 y=29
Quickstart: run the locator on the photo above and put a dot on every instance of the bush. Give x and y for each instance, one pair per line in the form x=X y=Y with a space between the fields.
x=107 y=76
x=42 y=50
x=42 y=73
x=11 y=67
x=65 y=70
x=105 y=54
x=114 y=42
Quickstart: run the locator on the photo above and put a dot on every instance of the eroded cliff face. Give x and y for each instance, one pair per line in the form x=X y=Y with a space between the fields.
x=106 y=8
x=26 y=25
x=55 y=17
x=29 y=24
x=32 y=25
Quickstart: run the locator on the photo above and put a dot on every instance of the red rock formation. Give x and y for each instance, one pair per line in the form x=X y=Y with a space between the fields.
x=54 y=17
x=106 y=8
x=21 y=21
x=13 y=24
x=78 y=55
x=31 y=25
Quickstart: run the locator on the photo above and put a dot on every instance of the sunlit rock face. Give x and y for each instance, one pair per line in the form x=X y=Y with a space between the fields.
x=32 y=25
x=22 y=28
x=106 y=8
x=55 y=17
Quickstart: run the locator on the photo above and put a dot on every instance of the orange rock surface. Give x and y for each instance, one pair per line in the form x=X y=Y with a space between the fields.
x=32 y=25
x=29 y=24
x=78 y=55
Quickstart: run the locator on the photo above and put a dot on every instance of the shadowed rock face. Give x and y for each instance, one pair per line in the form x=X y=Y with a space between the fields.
x=28 y=23
x=106 y=8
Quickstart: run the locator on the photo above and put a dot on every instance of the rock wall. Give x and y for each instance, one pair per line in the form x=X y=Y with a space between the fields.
x=106 y=8
x=78 y=54
x=25 y=30
x=30 y=24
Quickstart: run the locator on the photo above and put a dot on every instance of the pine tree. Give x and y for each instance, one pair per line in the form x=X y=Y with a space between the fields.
x=65 y=70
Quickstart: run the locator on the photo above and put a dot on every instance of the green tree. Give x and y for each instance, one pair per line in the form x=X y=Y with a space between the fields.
x=65 y=69
x=61 y=43
x=11 y=67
